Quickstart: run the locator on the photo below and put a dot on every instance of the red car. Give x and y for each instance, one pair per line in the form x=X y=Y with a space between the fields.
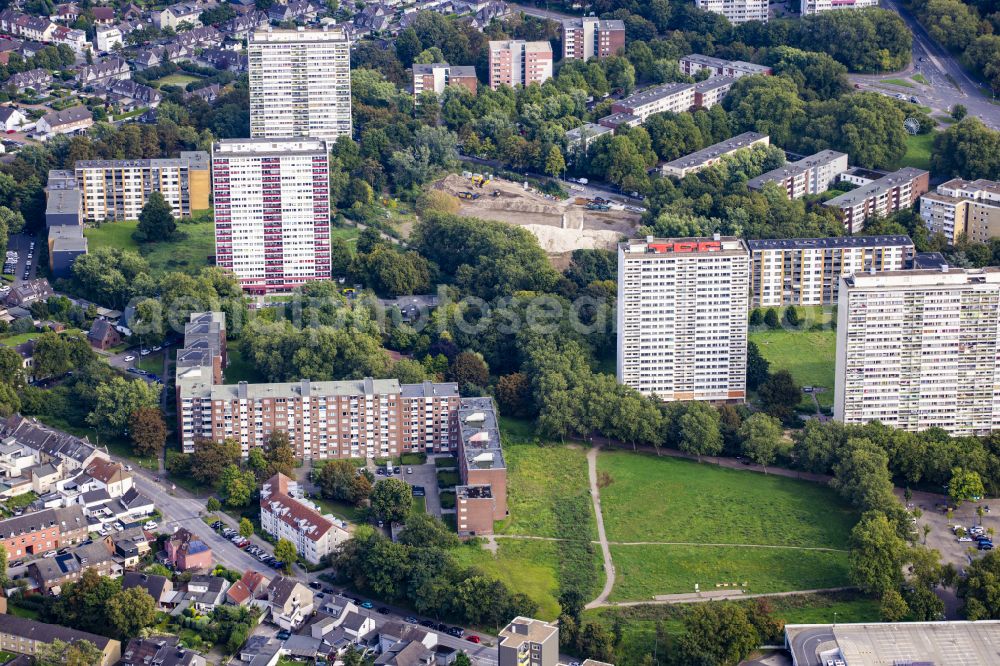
x=472 y=638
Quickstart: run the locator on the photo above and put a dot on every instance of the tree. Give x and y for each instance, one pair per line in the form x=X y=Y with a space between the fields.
x=210 y=458
x=699 y=430
x=958 y=111
x=771 y=318
x=117 y=400
x=391 y=500
x=212 y=505
x=792 y=316
x=285 y=551
x=130 y=611
x=893 y=607
x=469 y=368
x=980 y=588
x=877 y=554
x=148 y=431
x=340 y=480
x=60 y=653
x=554 y=162
x=596 y=642
x=862 y=476
x=758 y=368
x=246 y=528
x=717 y=633
x=966 y=486
x=779 y=395
x=761 y=435
x=279 y=453
x=156 y=221
x=236 y=486
x=513 y=394
x=968 y=149
x=423 y=530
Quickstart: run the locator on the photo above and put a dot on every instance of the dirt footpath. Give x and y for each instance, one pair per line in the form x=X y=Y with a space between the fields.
x=560 y=225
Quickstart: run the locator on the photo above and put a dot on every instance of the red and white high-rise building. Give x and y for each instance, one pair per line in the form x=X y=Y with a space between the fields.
x=516 y=62
x=272 y=211
x=591 y=37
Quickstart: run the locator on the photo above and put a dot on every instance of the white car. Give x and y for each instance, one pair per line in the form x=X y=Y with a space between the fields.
x=157 y=348
x=151 y=525
x=51 y=553
x=143 y=352
x=965 y=539
x=129 y=358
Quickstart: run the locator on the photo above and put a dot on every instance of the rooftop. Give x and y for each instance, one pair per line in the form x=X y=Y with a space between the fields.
x=835 y=242
x=795 y=168
x=945 y=276
x=254 y=147
x=687 y=246
x=526 y=629
x=480 y=434
x=47 y=633
x=699 y=157
x=883 y=184
x=195 y=159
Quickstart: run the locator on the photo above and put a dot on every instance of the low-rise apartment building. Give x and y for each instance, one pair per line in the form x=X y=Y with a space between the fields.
x=880 y=196
x=674 y=97
x=807 y=271
x=736 y=11
x=810 y=175
x=41 y=531
x=962 y=207
x=590 y=37
x=118 y=189
x=920 y=349
x=435 y=77
x=285 y=514
x=695 y=63
x=578 y=139
x=24 y=636
x=706 y=157
x=481 y=499
x=807 y=7
x=528 y=642
x=515 y=62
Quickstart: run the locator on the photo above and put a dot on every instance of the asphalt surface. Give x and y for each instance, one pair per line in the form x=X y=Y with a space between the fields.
x=805 y=644
x=179 y=509
x=948 y=84
x=21 y=244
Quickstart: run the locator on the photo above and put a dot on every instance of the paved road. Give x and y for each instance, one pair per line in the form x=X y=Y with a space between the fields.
x=538 y=12
x=595 y=496
x=807 y=642
x=948 y=84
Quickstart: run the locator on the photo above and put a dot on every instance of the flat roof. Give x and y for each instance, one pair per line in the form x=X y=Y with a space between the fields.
x=836 y=241
x=701 y=245
x=945 y=276
x=255 y=147
x=62 y=202
x=193 y=159
x=928 y=260
x=959 y=643
x=299 y=34
x=795 y=168
x=590 y=129
x=737 y=142
x=526 y=629
x=480 y=434
x=887 y=182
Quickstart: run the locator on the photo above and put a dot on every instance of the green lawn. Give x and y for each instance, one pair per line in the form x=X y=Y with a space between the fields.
x=188 y=252
x=14 y=340
x=920 y=78
x=6 y=656
x=645 y=571
x=526 y=566
x=918 y=151
x=809 y=355
x=899 y=82
x=240 y=369
x=418 y=504
x=342 y=510
x=540 y=480
x=152 y=363
x=176 y=79
x=674 y=500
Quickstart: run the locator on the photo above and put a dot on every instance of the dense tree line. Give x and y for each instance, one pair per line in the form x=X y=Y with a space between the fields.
x=966 y=29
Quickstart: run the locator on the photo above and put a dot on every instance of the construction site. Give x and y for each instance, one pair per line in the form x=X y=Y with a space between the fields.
x=561 y=225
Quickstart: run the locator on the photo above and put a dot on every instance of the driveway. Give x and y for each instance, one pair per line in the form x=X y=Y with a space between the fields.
x=425 y=475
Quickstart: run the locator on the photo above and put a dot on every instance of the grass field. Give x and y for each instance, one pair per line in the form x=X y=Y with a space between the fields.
x=240 y=369
x=809 y=355
x=526 y=566
x=920 y=78
x=15 y=340
x=152 y=363
x=540 y=480
x=176 y=79
x=899 y=82
x=700 y=503
x=645 y=571
x=918 y=151
x=6 y=656
x=188 y=252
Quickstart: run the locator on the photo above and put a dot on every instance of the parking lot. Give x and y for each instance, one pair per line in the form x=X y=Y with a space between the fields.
x=20 y=262
x=941 y=538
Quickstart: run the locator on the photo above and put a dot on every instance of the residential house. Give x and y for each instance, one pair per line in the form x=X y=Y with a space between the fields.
x=289 y=602
x=103 y=336
x=52 y=444
x=71 y=37
x=293 y=11
x=26 y=350
x=28 y=292
x=240 y=27
x=103 y=71
x=208 y=94
x=250 y=590
x=103 y=474
x=11 y=119
x=30 y=27
x=135 y=506
x=203 y=36
x=224 y=59
x=203 y=592
x=130 y=546
x=159 y=651
x=374 y=18
x=37 y=79
x=24 y=636
x=68 y=12
x=51 y=573
x=159 y=587
x=186 y=551
x=182 y=12
x=69 y=120
x=103 y=15
x=405 y=645
x=107 y=37
x=129 y=94
x=285 y=516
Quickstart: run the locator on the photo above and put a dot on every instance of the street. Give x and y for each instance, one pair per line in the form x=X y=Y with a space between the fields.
x=947 y=83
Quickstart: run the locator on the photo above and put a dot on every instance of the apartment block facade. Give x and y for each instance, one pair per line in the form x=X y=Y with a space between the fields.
x=810 y=175
x=736 y=11
x=284 y=514
x=682 y=317
x=675 y=97
x=807 y=271
x=528 y=642
x=920 y=349
x=816 y=6
x=963 y=207
x=591 y=37
x=706 y=157
x=879 y=195
x=300 y=83
x=272 y=211
x=695 y=63
x=118 y=189
x=481 y=498
x=516 y=62
x=435 y=77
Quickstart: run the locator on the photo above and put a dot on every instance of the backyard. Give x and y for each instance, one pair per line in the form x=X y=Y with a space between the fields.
x=176 y=79
x=188 y=251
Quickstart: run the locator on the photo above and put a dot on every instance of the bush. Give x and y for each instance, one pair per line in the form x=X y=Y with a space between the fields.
x=413 y=458
x=447 y=479
x=771 y=318
x=447 y=499
x=447 y=461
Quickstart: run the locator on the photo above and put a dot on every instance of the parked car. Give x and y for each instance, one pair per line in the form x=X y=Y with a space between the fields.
x=410 y=619
x=316 y=585
x=472 y=639
x=283 y=635
x=985 y=545
x=457 y=632
x=382 y=610
x=409 y=470
x=965 y=539
x=51 y=553
x=151 y=525
x=427 y=623
x=367 y=604
x=129 y=358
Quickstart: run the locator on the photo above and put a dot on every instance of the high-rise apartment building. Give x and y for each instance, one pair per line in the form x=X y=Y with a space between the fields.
x=736 y=11
x=528 y=642
x=118 y=189
x=920 y=349
x=810 y=175
x=682 y=317
x=481 y=498
x=272 y=211
x=879 y=195
x=807 y=271
x=516 y=62
x=963 y=207
x=589 y=37
x=300 y=83
x=816 y=6
x=435 y=77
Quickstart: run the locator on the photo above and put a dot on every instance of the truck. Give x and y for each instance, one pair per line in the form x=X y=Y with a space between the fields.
x=598 y=206
x=468 y=195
